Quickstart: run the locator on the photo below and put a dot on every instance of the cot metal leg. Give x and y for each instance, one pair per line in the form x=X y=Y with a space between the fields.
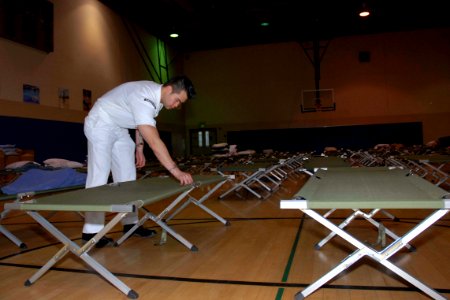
x=176 y=235
x=345 y=264
x=60 y=254
x=265 y=186
x=127 y=234
x=252 y=191
x=81 y=252
x=276 y=182
x=212 y=213
x=272 y=172
x=278 y=176
x=268 y=178
x=12 y=237
x=420 y=285
x=235 y=187
x=8 y=233
x=328 y=213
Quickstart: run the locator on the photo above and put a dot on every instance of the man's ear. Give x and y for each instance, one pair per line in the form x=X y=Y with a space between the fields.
x=167 y=90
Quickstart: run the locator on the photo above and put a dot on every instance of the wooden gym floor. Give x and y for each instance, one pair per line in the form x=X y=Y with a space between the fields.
x=266 y=254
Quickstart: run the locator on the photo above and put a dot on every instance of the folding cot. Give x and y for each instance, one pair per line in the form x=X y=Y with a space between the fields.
x=415 y=167
x=292 y=164
x=254 y=174
x=369 y=188
x=433 y=166
x=313 y=164
x=362 y=158
x=121 y=199
x=282 y=168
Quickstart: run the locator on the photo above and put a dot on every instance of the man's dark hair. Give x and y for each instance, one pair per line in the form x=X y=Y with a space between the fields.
x=180 y=83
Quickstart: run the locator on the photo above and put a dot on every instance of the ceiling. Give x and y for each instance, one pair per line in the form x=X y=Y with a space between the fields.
x=214 y=24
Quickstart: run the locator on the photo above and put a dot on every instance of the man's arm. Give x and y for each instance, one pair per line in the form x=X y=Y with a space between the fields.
x=140 y=157
x=151 y=136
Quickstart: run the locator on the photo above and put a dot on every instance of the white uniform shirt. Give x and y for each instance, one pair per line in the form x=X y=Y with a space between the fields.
x=132 y=103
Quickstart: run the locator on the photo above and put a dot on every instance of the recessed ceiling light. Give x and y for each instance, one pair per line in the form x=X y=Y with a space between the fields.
x=364 y=14
x=364 y=11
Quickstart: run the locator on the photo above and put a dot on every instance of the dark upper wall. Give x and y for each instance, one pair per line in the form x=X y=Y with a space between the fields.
x=316 y=139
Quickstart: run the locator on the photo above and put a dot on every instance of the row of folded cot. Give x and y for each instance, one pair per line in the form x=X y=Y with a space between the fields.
x=434 y=167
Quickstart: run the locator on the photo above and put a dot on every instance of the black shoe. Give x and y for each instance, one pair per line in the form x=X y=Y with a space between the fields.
x=104 y=241
x=140 y=231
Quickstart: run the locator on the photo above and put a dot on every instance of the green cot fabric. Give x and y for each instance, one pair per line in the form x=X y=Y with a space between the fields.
x=325 y=162
x=369 y=188
x=115 y=197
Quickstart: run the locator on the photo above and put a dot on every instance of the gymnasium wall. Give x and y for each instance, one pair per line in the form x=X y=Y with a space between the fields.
x=259 y=87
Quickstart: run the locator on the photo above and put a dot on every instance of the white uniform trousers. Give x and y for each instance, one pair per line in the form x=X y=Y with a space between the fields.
x=110 y=149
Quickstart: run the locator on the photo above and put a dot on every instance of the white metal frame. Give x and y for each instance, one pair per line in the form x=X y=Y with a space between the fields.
x=364 y=250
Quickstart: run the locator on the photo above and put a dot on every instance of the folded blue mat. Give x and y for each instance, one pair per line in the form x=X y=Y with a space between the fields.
x=35 y=180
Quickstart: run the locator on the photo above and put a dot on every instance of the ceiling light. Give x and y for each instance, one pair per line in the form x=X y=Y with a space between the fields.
x=364 y=11
x=264 y=24
x=174 y=35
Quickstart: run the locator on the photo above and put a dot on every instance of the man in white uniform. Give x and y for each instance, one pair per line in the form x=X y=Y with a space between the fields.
x=132 y=105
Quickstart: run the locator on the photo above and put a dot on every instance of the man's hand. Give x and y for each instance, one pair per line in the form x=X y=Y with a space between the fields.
x=183 y=177
x=140 y=158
